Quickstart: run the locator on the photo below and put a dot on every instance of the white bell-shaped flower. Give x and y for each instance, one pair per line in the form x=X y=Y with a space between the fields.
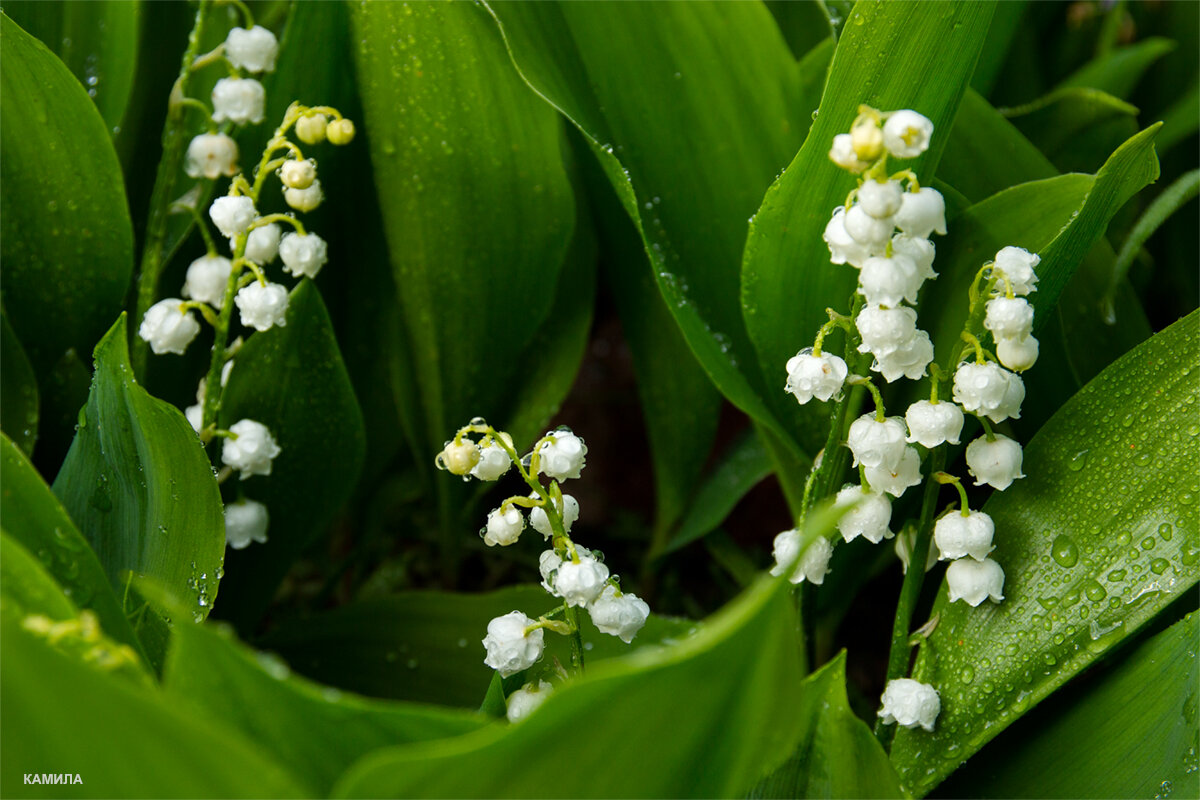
x=870 y=232
x=211 y=155
x=1016 y=264
x=1009 y=318
x=245 y=522
x=875 y=443
x=251 y=450
x=887 y=281
x=813 y=566
x=580 y=582
x=921 y=251
x=880 y=199
x=810 y=376
x=303 y=254
x=239 y=100
x=933 y=424
x=168 y=328
x=921 y=213
x=262 y=245
x=910 y=360
x=975 y=581
x=989 y=390
x=957 y=536
x=509 y=648
x=304 y=200
x=541 y=522
x=207 y=279
x=254 y=49
x=494 y=461
x=548 y=563
x=843 y=248
x=868 y=519
x=910 y=703
x=842 y=153
x=503 y=527
x=621 y=616
x=263 y=307
x=564 y=457
x=232 y=215
x=524 y=701
x=906 y=133
x=885 y=330
x=895 y=480
x=996 y=463
x=1017 y=354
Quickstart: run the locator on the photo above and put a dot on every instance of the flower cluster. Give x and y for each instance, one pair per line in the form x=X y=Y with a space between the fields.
x=573 y=574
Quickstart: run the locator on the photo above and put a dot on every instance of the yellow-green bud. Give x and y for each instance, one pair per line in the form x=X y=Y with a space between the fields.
x=867 y=140
x=311 y=129
x=297 y=174
x=459 y=458
x=340 y=131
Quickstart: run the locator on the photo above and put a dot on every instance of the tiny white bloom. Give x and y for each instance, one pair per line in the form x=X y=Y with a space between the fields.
x=211 y=155
x=1017 y=354
x=168 y=327
x=975 y=581
x=245 y=522
x=909 y=360
x=509 y=648
x=304 y=200
x=921 y=251
x=843 y=249
x=541 y=522
x=922 y=212
x=580 y=582
x=253 y=50
x=895 y=480
x=885 y=330
x=812 y=376
x=874 y=443
x=548 y=563
x=842 y=153
x=906 y=133
x=239 y=100
x=1017 y=263
x=868 y=231
x=251 y=450
x=989 y=390
x=563 y=457
x=303 y=254
x=459 y=458
x=996 y=463
x=880 y=199
x=232 y=215
x=813 y=566
x=910 y=703
x=263 y=307
x=207 y=278
x=932 y=424
x=493 y=462
x=298 y=173
x=620 y=616
x=1009 y=318
x=888 y=281
x=262 y=245
x=525 y=700
x=504 y=527
x=868 y=519
x=957 y=536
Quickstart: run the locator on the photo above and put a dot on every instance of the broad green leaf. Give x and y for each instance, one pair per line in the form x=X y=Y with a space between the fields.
x=28 y=587
x=743 y=466
x=18 y=391
x=1182 y=118
x=34 y=518
x=1101 y=535
x=1077 y=127
x=703 y=718
x=425 y=646
x=139 y=486
x=67 y=242
x=803 y=23
x=1128 y=730
x=1003 y=30
x=475 y=200
x=837 y=756
x=1119 y=72
x=315 y=731
x=121 y=739
x=631 y=81
x=1172 y=198
x=881 y=60
x=291 y=379
x=96 y=40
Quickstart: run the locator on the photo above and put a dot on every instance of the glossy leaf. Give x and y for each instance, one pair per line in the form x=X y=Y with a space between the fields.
x=28 y=587
x=425 y=646
x=139 y=486
x=18 y=391
x=787 y=280
x=1128 y=730
x=34 y=518
x=631 y=81
x=121 y=739
x=1076 y=127
x=838 y=756
x=1172 y=198
x=291 y=379
x=1006 y=23
x=315 y=731
x=1119 y=72
x=705 y=717
x=1101 y=535
x=66 y=241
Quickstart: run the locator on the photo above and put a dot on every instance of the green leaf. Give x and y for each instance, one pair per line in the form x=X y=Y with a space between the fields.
x=315 y=731
x=631 y=82
x=1076 y=127
x=18 y=390
x=291 y=379
x=838 y=756
x=425 y=646
x=139 y=486
x=121 y=739
x=66 y=241
x=34 y=518
x=96 y=40
x=1005 y=23
x=1172 y=198
x=475 y=201
x=1115 y=732
x=703 y=718
x=882 y=60
x=1119 y=72
x=1101 y=535
x=28 y=587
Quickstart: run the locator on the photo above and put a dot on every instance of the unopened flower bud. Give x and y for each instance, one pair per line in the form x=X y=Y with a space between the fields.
x=1017 y=354
x=310 y=129
x=340 y=131
x=867 y=140
x=459 y=458
x=298 y=173
x=304 y=200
